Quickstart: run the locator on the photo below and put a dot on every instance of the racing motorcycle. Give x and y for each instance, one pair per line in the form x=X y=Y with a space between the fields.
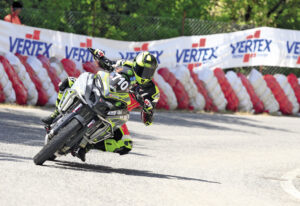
x=90 y=111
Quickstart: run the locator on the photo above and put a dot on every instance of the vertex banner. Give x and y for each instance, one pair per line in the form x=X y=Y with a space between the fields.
x=254 y=47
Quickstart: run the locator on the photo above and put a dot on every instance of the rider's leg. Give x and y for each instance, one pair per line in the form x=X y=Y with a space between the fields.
x=67 y=83
x=120 y=143
x=115 y=144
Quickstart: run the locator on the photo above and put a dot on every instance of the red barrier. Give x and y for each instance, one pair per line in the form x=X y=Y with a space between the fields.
x=232 y=99
x=43 y=97
x=2 y=95
x=258 y=105
x=17 y=84
x=286 y=106
x=163 y=99
x=181 y=96
x=209 y=105
x=179 y=90
x=70 y=68
x=165 y=73
x=90 y=67
x=51 y=71
x=168 y=76
x=292 y=79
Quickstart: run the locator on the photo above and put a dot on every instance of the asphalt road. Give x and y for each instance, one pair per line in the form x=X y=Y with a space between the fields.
x=183 y=159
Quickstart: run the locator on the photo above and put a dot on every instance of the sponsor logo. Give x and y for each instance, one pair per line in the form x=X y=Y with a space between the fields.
x=30 y=45
x=293 y=49
x=251 y=47
x=80 y=53
x=137 y=50
x=197 y=55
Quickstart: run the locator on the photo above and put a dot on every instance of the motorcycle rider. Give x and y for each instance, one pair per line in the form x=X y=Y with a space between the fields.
x=138 y=74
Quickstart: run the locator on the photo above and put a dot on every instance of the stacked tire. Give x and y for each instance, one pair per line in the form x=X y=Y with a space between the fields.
x=209 y=106
x=196 y=99
x=20 y=90
x=213 y=88
x=10 y=95
x=292 y=79
x=42 y=74
x=286 y=106
x=245 y=103
x=42 y=94
x=288 y=91
x=263 y=91
x=232 y=99
x=32 y=94
x=258 y=105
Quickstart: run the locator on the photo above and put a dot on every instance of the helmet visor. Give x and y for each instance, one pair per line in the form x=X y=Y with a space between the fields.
x=144 y=72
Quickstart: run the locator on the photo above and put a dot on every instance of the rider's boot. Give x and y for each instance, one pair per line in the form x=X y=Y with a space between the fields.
x=122 y=146
x=82 y=152
x=49 y=119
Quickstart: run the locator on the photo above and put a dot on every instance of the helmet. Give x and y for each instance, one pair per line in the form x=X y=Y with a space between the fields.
x=144 y=66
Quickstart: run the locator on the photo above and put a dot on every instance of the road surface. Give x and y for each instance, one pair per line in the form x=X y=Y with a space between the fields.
x=182 y=159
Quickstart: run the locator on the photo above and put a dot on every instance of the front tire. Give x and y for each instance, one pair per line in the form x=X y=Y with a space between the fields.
x=47 y=152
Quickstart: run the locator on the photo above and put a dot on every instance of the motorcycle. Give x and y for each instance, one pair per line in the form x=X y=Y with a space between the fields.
x=90 y=111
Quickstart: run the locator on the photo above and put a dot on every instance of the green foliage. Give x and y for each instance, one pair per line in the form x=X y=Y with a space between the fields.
x=274 y=13
x=147 y=20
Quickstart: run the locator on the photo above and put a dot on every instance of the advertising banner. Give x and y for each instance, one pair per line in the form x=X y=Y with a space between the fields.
x=254 y=47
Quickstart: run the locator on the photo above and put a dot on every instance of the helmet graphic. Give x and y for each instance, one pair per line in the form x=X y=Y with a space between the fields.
x=144 y=66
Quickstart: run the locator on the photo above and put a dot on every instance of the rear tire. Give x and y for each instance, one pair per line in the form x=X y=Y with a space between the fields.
x=57 y=142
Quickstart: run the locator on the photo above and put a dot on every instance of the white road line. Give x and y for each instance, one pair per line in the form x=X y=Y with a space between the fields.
x=288 y=185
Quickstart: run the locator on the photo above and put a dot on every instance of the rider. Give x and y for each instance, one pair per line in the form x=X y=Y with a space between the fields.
x=139 y=74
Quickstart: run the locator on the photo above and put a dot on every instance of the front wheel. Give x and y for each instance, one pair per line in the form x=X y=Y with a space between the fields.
x=57 y=142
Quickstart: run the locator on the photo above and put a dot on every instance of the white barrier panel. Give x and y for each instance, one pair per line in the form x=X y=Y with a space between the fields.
x=253 y=47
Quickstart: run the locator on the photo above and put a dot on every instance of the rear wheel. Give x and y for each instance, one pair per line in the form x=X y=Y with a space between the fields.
x=57 y=142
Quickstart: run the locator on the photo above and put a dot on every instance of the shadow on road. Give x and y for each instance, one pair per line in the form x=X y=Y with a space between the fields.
x=208 y=121
x=131 y=172
x=21 y=128
x=12 y=157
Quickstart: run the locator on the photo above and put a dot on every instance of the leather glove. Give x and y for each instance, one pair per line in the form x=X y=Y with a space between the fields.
x=97 y=53
x=103 y=62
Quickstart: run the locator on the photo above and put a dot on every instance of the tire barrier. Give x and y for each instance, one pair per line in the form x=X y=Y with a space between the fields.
x=90 y=67
x=2 y=95
x=70 y=68
x=167 y=89
x=20 y=90
x=10 y=95
x=285 y=105
x=59 y=68
x=245 y=103
x=42 y=94
x=163 y=100
x=212 y=87
x=51 y=71
x=178 y=89
x=196 y=99
x=258 y=105
x=42 y=74
x=292 y=79
x=232 y=99
x=209 y=106
x=288 y=91
x=32 y=94
x=263 y=91
x=79 y=66
x=34 y=81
